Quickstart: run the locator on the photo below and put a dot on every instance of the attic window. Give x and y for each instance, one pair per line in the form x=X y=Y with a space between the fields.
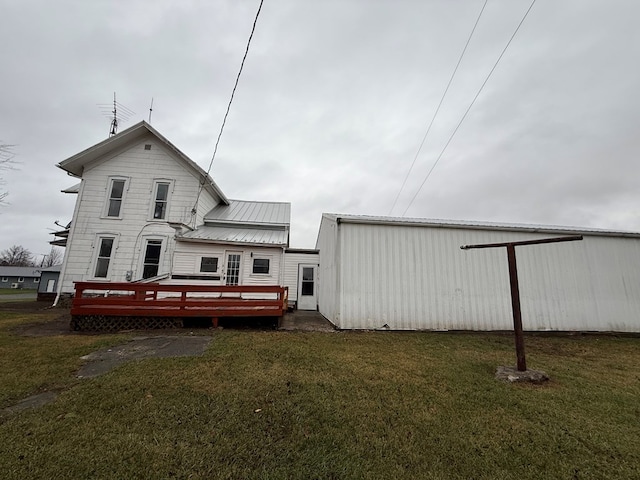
x=147 y=146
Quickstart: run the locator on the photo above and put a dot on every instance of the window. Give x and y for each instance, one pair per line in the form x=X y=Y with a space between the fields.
x=209 y=264
x=105 y=248
x=5 y=279
x=152 y=258
x=307 y=281
x=36 y=280
x=261 y=266
x=161 y=201
x=116 y=195
x=20 y=279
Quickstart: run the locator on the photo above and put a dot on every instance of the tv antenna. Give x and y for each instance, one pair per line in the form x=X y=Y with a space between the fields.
x=150 y=110
x=115 y=112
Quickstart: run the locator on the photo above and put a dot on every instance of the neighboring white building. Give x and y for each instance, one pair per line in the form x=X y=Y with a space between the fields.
x=410 y=274
x=146 y=212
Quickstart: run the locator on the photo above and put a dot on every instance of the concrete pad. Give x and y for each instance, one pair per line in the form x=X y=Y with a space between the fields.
x=105 y=360
x=306 y=321
x=513 y=375
x=34 y=401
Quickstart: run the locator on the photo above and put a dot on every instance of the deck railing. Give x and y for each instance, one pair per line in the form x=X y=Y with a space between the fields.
x=154 y=299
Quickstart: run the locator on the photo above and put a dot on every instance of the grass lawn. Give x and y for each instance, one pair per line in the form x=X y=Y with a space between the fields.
x=273 y=405
x=17 y=291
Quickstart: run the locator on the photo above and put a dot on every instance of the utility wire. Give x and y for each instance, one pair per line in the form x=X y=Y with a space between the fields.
x=469 y=108
x=233 y=92
x=438 y=108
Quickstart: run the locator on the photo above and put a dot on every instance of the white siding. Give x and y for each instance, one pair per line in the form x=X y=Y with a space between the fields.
x=291 y=262
x=142 y=167
x=418 y=278
x=188 y=254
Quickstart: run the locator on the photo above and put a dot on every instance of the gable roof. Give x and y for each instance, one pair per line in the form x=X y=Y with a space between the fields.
x=19 y=272
x=75 y=165
x=241 y=212
x=468 y=224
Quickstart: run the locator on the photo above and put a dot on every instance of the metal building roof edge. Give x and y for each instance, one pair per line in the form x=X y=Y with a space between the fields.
x=475 y=225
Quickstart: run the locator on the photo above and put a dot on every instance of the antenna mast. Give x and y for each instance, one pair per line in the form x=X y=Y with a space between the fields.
x=150 y=110
x=116 y=113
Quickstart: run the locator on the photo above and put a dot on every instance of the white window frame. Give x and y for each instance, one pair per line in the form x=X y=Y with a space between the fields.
x=20 y=279
x=36 y=280
x=5 y=279
x=107 y=203
x=269 y=258
x=143 y=253
x=218 y=264
x=154 y=194
x=96 y=252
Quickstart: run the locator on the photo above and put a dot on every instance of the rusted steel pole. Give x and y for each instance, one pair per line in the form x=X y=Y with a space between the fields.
x=515 y=308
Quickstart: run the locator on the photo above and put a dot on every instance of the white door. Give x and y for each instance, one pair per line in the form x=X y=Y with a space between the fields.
x=51 y=284
x=307 y=288
x=232 y=275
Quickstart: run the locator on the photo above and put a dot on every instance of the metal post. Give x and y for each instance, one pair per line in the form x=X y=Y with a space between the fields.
x=515 y=307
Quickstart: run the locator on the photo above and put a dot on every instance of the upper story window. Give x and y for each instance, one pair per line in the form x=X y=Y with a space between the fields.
x=117 y=189
x=103 y=258
x=160 y=205
x=261 y=266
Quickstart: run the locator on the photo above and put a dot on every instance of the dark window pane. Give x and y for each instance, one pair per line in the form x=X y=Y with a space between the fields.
x=307 y=288
x=160 y=210
x=102 y=266
x=260 y=265
x=152 y=259
x=106 y=244
x=209 y=264
x=114 y=208
x=117 y=188
x=163 y=191
x=307 y=274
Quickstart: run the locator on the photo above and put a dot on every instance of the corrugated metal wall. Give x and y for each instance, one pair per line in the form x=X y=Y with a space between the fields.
x=328 y=291
x=412 y=278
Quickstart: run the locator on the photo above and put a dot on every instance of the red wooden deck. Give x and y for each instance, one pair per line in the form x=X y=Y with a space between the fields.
x=155 y=300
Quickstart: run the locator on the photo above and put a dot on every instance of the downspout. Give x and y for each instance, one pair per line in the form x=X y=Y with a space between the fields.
x=338 y=274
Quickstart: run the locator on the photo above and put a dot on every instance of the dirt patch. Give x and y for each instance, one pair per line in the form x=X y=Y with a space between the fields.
x=105 y=360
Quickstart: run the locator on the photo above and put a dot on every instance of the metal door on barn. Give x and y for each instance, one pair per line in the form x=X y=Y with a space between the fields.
x=307 y=291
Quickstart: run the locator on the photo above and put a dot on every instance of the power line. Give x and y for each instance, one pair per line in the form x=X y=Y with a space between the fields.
x=404 y=182
x=469 y=108
x=233 y=92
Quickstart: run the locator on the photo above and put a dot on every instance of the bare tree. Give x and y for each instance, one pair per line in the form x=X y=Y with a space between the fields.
x=6 y=163
x=53 y=258
x=16 y=256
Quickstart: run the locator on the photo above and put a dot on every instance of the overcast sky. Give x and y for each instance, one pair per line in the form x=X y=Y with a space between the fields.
x=333 y=103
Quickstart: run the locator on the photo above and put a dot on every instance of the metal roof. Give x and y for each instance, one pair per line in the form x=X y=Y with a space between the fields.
x=516 y=227
x=245 y=236
x=19 y=272
x=255 y=213
x=72 y=189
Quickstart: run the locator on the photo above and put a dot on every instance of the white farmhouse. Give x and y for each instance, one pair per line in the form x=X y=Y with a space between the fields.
x=146 y=212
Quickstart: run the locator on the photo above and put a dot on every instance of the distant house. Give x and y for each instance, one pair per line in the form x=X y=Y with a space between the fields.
x=19 y=277
x=48 y=284
x=146 y=212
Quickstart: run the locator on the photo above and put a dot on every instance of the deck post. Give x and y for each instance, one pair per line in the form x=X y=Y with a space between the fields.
x=214 y=322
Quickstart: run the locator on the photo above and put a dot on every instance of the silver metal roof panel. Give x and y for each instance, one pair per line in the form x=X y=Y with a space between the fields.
x=256 y=213
x=245 y=236
x=518 y=227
